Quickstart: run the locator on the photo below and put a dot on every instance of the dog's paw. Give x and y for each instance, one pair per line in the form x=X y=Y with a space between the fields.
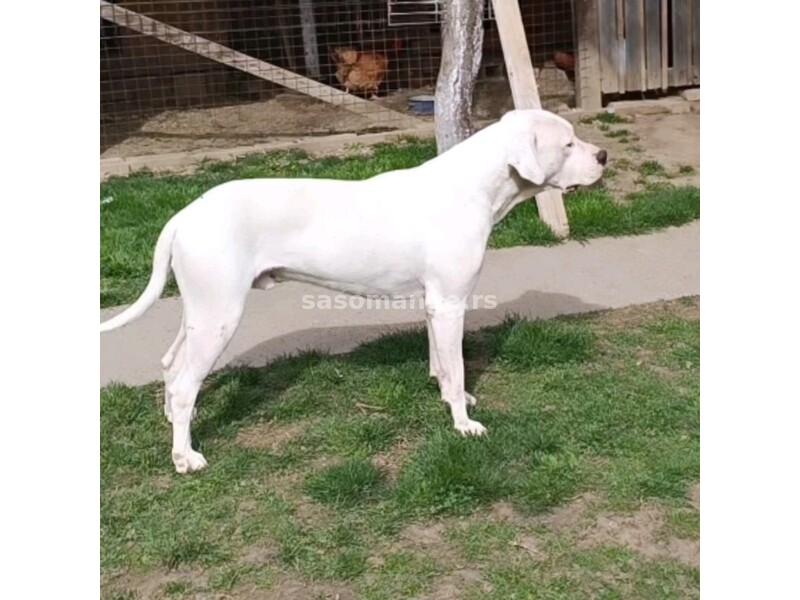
x=470 y=427
x=190 y=462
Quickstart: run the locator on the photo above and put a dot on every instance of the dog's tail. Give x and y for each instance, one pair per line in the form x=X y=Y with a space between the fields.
x=158 y=279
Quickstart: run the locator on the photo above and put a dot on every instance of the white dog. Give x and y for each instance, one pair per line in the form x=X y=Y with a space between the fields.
x=411 y=232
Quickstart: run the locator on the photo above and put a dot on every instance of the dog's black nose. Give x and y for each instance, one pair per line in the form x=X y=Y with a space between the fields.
x=602 y=157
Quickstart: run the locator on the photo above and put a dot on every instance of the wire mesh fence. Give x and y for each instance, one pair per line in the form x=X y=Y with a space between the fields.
x=187 y=74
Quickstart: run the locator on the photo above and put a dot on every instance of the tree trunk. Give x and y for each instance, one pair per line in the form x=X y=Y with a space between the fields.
x=462 y=45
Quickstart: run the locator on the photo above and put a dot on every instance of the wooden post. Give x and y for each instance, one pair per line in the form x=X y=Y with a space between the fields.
x=587 y=68
x=636 y=71
x=664 y=44
x=309 y=27
x=609 y=51
x=652 y=33
x=681 y=39
x=620 y=57
x=526 y=95
x=695 y=41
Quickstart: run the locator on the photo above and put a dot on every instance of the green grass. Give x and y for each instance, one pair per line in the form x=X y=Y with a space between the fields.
x=618 y=133
x=133 y=209
x=354 y=482
x=610 y=174
x=652 y=168
x=595 y=212
x=574 y=576
x=604 y=404
x=604 y=118
x=623 y=164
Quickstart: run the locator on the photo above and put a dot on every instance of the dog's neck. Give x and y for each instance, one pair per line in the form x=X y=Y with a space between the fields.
x=514 y=190
x=497 y=182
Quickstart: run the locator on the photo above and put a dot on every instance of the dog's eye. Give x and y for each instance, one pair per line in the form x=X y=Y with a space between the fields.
x=570 y=145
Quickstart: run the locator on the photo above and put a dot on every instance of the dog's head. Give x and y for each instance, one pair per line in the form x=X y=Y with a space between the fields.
x=543 y=150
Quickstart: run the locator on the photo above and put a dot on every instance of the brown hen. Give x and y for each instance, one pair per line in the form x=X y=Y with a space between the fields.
x=360 y=71
x=364 y=70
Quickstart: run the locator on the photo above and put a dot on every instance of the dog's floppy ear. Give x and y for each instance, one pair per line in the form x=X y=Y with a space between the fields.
x=523 y=157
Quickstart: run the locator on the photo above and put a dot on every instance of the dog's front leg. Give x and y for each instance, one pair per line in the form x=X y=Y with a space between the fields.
x=433 y=361
x=446 y=332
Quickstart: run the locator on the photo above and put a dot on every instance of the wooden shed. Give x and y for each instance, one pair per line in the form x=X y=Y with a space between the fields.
x=635 y=46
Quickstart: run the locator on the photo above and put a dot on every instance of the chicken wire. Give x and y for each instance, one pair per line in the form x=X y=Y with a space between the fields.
x=186 y=74
x=415 y=12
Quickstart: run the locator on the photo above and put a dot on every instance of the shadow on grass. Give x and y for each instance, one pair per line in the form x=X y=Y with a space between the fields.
x=399 y=351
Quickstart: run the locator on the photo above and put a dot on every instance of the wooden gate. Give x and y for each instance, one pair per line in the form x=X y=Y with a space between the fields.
x=636 y=45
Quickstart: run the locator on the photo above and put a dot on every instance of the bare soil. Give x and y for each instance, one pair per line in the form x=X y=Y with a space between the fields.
x=269 y=435
x=291 y=115
x=685 y=308
x=641 y=532
x=671 y=140
x=292 y=589
x=391 y=461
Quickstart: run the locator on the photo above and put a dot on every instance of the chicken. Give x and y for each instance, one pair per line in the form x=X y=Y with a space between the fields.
x=564 y=60
x=360 y=71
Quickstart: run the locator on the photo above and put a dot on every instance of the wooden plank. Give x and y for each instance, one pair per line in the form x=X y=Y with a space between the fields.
x=517 y=56
x=526 y=95
x=553 y=212
x=635 y=72
x=696 y=42
x=652 y=34
x=607 y=18
x=587 y=64
x=621 y=55
x=258 y=68
x=681 y=52
x=309 y=30
x=664 y=44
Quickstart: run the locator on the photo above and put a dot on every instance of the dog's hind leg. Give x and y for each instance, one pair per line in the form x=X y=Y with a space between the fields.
x=169 y=357
x=206 y=338
x=171 y=368
x=213 y=303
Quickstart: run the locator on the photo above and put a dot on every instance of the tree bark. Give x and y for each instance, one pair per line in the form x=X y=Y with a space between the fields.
x=462 y=45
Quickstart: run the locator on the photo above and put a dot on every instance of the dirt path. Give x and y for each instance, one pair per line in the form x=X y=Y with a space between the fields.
x=669 y=140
